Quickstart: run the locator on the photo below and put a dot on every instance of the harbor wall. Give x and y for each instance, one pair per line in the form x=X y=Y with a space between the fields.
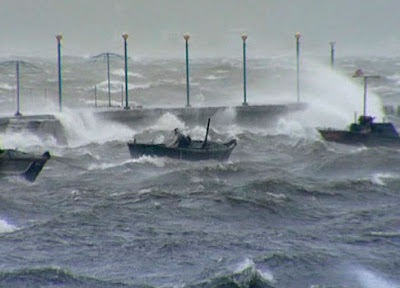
x=49 y=125
x=199 y=115
x=42 y=125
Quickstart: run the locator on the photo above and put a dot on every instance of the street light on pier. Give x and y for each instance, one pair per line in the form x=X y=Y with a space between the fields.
x=186 y=36
x=244 y=37
x=59 y=37
x=125 y=36
x=332 y=54
x=360 y=74
x=297 y=35
x=18 y=113
x=108 y=79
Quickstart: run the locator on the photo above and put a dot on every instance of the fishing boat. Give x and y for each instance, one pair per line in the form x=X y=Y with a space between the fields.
x=18 y=163
x=195 y=150
x=365 y=131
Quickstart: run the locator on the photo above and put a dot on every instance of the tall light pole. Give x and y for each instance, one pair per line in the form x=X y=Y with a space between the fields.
x=186 y=36
x=108 y=78
x=125 y=36
x=59 y=37
x=297 y=35
x=332 y=54
x=244 y=37
x=17 y=78
x=95 y=96
x=360 y=74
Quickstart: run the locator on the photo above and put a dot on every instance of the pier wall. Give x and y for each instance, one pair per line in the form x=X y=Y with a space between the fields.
x=49 y=125
x=199 y=115
x=42 y=125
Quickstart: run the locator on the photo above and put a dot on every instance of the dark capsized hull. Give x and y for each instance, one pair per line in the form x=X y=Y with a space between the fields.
x=17 y=163
x=356 y=138
x=195 y=152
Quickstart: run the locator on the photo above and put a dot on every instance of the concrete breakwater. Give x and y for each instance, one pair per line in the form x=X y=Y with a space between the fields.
x=49 y=125
x=199 y=115
x=41 y=125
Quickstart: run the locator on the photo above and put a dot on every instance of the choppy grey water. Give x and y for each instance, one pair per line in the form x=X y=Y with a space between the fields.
x=287 y=209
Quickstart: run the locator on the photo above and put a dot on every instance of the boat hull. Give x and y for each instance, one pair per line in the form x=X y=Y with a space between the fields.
x=26 y=165
x=195 y=152
x=354 y=138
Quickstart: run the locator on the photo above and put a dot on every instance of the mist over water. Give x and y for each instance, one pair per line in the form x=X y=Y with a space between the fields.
x=332 y=95
x=83 y=128
x=287 y=209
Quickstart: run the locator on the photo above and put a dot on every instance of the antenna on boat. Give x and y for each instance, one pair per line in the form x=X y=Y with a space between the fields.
x=360 y=74
x=205 y=139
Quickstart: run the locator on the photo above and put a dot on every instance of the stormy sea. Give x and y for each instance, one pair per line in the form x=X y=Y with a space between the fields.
x=286 y=210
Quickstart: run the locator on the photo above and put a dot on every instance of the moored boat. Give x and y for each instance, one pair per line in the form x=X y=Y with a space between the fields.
x=365 y=132
x=18 y=163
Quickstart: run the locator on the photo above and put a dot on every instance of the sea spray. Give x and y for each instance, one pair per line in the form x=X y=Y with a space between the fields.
x=333 y=100
x=25 y=140
x=168 y=122
x=84 y=127
x=6 y=227
x=369 y=279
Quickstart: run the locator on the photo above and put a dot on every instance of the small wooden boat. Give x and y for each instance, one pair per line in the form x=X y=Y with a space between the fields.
x=17 y=163
x=196 y=150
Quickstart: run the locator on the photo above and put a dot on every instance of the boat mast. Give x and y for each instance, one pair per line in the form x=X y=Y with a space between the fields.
x=205 y=139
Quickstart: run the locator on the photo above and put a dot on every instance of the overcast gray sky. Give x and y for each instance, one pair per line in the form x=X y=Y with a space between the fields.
x=155 y=27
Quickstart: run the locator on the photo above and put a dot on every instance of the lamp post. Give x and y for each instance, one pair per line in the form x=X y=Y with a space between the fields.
x=95 y=96
x=17 y=78
x=244 y=37
x=332 y=54
x=297 y=35
x=108 y=78
x=186 y=36
x=125 y=36
x=360 y=74
x=59 y=37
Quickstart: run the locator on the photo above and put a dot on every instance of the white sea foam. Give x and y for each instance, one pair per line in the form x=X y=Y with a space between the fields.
x=115 y=86
x=369 y=279
x=223 y=122
x=333 y=100
x=168 y=120
x=121 y=72
x=395 y=77
x=156 y=161
x=384 y=234
x=6 y=227
x=24 y=140
x=379 y=178
x=103 y=166
x=84 y=127
x=6 y=86
x=246 y=264
x=294 y=128
x=213 y=77
x=249 y=264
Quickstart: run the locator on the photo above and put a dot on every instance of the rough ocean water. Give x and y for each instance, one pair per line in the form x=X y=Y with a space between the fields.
x=286 y=210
